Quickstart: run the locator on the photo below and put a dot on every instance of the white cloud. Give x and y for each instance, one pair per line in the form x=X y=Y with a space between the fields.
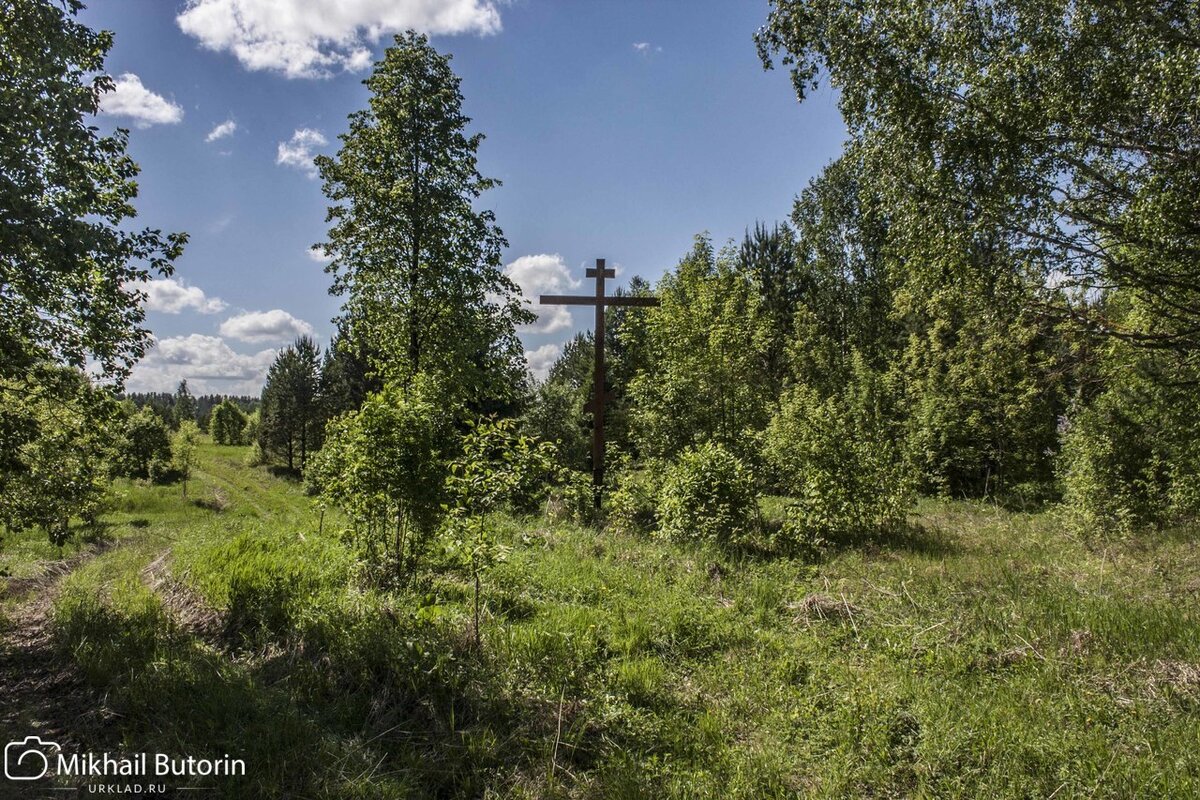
x=298 y=151
x=542 y=359
x=222 y=131
x=313 y=38
x=317 y=254
x=544 y=274
x=645 y=48
x=129 y=98
x=172 y=296
x=220 y=224
x=207 y=362
x=276 y=325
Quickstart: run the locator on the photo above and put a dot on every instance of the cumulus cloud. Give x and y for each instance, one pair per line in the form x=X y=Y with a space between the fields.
x=314 y=38
x=207 y=363
x=276 y=325
x=129 y=98
x=542 y=359
x=172 y=296
x=225 y=129
x=298 y=151
x=318 y=254
x=544 y=274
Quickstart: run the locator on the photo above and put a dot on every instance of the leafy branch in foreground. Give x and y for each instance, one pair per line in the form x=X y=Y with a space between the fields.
x=69 y=265
x=1067 y=128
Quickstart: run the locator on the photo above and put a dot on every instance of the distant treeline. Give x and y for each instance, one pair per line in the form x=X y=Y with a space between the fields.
x=163 y=404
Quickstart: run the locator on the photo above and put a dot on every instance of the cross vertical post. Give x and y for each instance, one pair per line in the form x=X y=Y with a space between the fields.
x=600 y=301
x=598 y=385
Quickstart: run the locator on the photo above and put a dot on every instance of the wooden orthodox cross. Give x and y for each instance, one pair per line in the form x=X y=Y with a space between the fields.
x=600 y=301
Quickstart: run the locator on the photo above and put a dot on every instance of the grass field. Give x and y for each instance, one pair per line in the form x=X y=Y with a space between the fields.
x=987 y=654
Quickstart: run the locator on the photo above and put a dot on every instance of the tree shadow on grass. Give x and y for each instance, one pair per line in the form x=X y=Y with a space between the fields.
x=908 y=538
x=285 y=473
x=356 y=703
x=169 y=692
x=98 y=534
x=931 y=542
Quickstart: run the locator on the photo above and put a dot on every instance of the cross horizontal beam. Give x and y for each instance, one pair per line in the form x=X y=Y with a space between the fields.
x=579 y=300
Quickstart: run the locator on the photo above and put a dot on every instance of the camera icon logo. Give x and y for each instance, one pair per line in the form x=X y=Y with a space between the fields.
x=27 y=760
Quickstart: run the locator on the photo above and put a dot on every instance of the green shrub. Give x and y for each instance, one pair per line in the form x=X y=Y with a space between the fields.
x=55 y=439
x=708 y=494
x=632 y=504
x=571 y=498
x=161 y=470
x=1130 y=461
x=228 y=424
x=183 y=450
x=839 y=457
x=250 y=431
x=143 y=447
x=385 y=465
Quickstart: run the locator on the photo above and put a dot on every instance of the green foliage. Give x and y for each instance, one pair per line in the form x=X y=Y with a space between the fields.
x=253 y=425
x=1131 y=455
x=843 y=282
x=985 y=382
x=555 y=411
x=143 y=449
x=707 y=347
x=840 y=457
x=418 y=265
x=708 y=495
x=770 y=256
x=627 y=353
x=69 y=262
x=345 y=378
x=631 y=505
x=184 y=408
x=291 y=421
x=183 y=450
x=228 y=424
x=385 y=465
x=1066 y=128
x=498 y=467
x=55 y=448
x=69 y=266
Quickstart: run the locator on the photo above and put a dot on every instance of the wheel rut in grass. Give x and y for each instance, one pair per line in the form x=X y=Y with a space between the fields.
x=185 y=608
x=42 y=693
x=239 y=493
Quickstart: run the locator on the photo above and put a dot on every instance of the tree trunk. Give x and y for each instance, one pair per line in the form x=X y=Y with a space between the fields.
x=478 y=639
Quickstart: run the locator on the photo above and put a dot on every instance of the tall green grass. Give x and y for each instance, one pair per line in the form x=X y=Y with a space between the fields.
x=983 y=654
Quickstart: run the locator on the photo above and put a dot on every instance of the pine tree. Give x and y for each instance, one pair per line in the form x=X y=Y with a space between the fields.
x=291 y=419
x=185 y=405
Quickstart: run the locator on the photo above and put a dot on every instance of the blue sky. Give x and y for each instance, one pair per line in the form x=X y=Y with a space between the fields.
x=619 y=129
